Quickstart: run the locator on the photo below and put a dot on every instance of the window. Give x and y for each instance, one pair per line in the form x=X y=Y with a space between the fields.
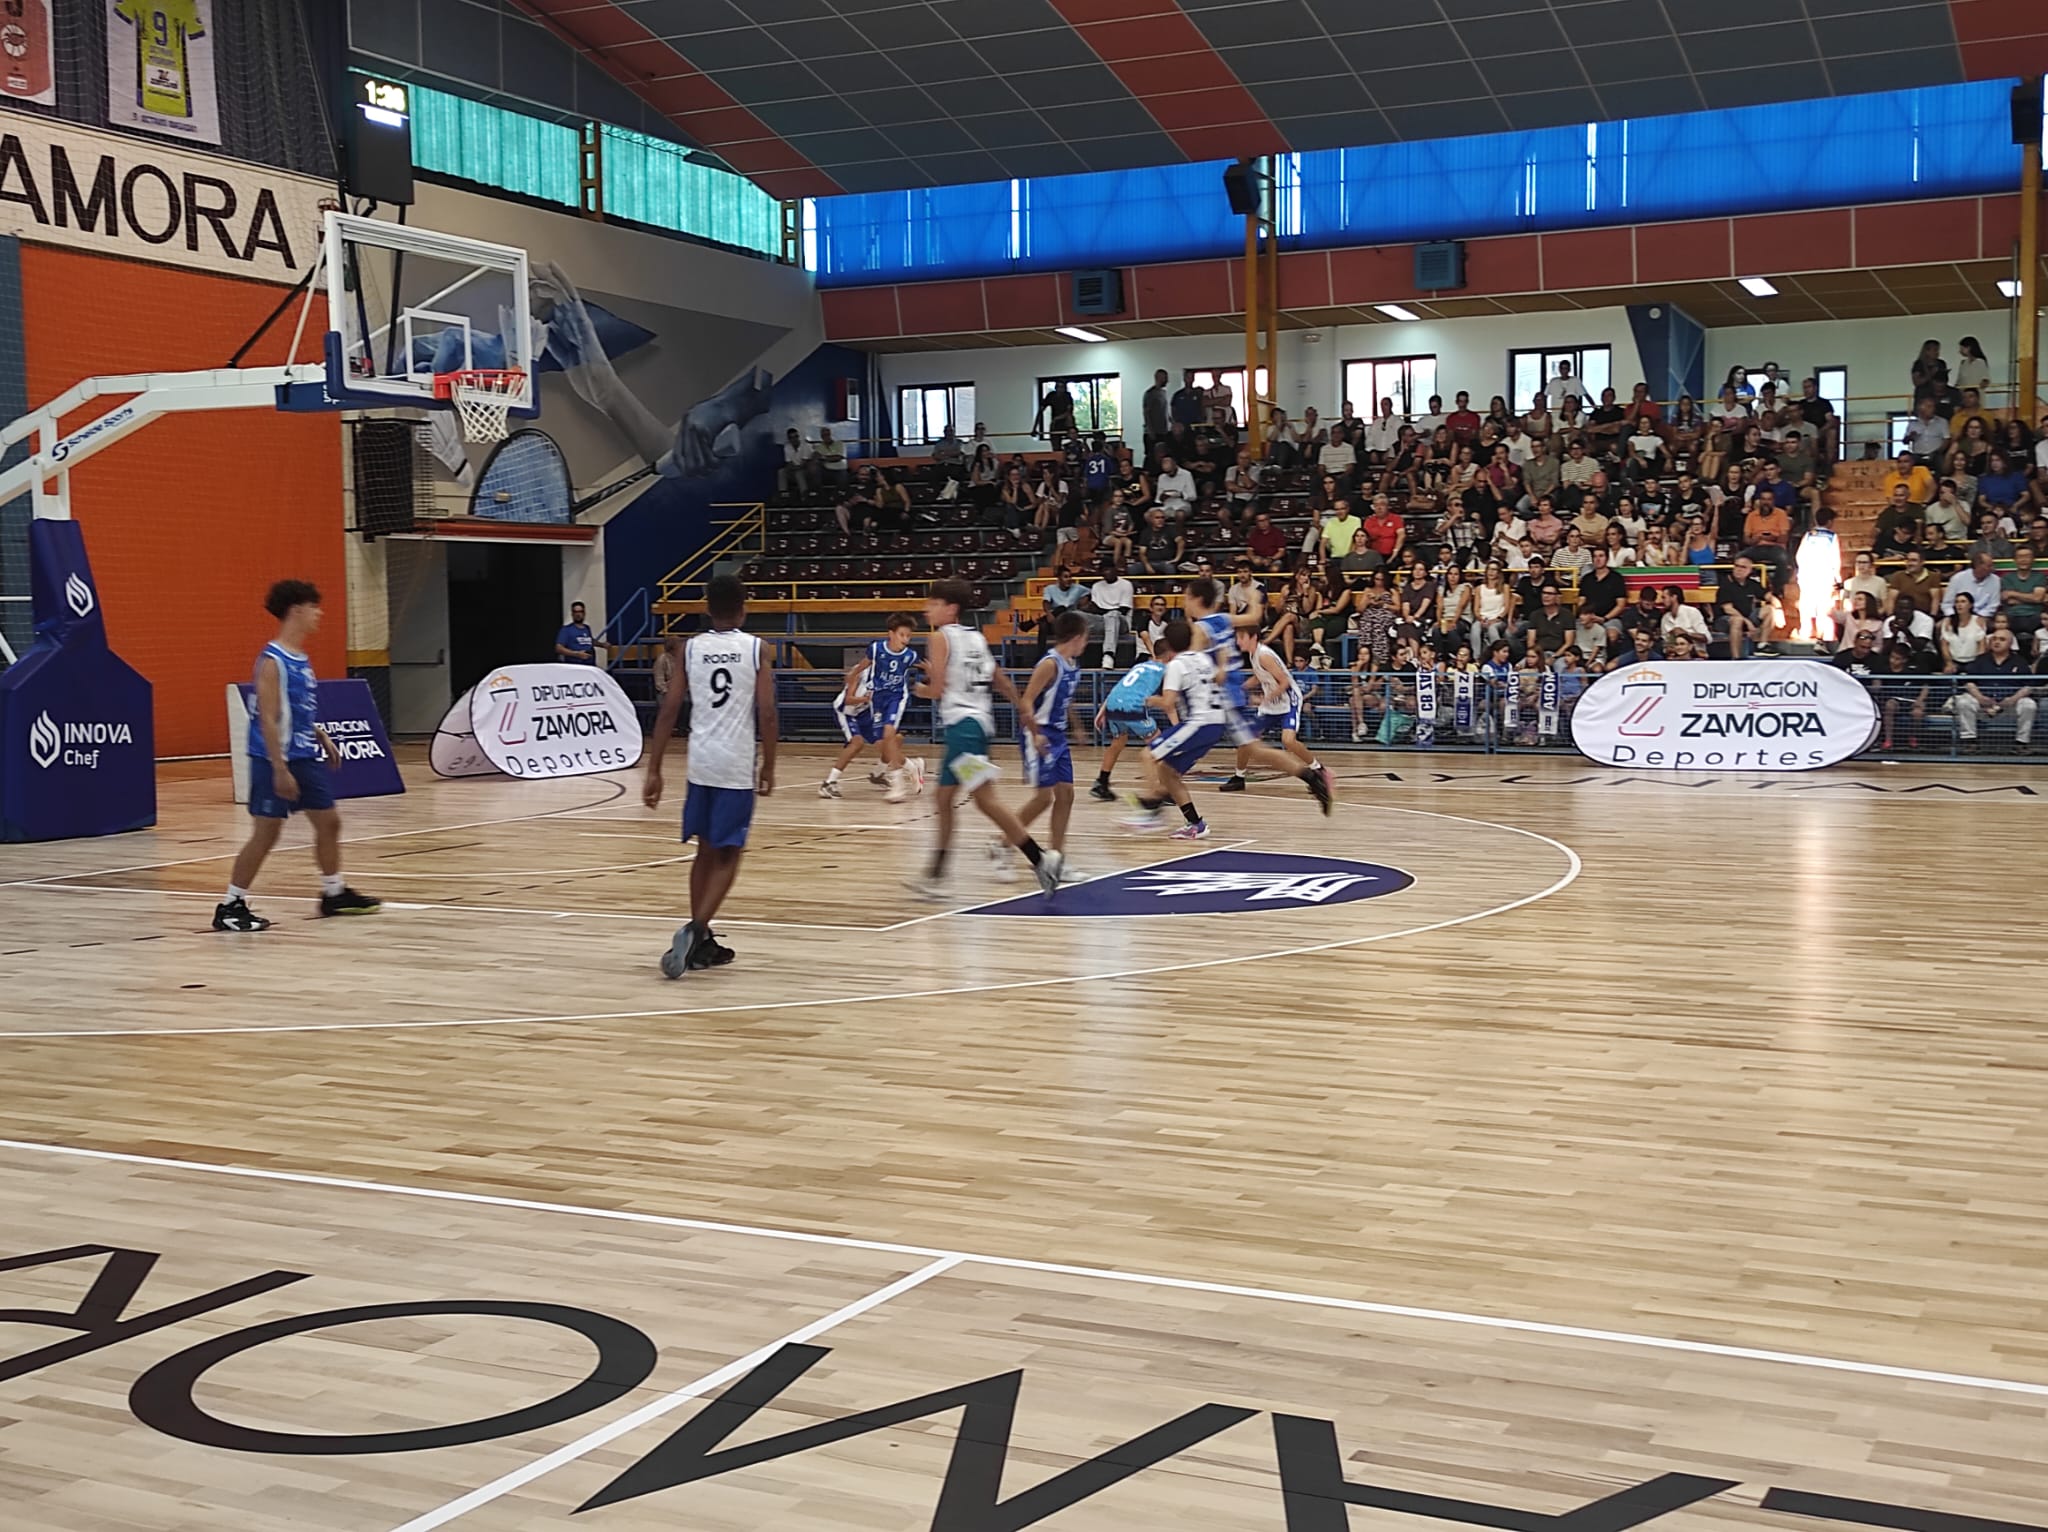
x=1833 y=383
x=1529 y=372
x=1895 y=432
x=1232 y=378
x=1407 y=380
x=1098 y=403
x=924 y=410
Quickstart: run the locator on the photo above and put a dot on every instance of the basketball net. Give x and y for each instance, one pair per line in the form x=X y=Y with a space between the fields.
x=483 y=400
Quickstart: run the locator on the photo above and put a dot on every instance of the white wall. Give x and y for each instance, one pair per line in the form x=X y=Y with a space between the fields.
x=1879 y=354
x=1471 y=354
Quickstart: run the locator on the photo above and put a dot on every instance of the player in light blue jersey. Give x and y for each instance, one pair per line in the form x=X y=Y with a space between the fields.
x=870 y=711
x=1215 y=633
x=1126 y=715
x=1048 y=760
x=290 y=757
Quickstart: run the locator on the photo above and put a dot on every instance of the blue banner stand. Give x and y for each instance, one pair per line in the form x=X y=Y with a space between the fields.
x=347 y=711
x=77 y=742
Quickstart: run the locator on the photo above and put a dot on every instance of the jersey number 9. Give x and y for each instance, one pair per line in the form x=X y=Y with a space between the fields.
x=721 y=687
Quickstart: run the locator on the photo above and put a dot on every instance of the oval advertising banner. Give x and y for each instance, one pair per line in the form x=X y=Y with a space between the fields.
x=554 y=721
x=454 y=751
x=1724 y=715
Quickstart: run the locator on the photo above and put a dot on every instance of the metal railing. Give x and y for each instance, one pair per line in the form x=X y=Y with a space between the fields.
x=741 y=535
x=1920 y=717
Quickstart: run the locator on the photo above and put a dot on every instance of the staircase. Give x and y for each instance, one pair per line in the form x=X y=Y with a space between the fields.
x=1855 y=494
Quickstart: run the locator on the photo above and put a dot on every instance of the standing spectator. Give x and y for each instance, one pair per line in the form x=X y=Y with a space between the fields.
x=1311 y=438
x=1189 y=408
x=1930 y=376
x=1158 y=414
x=1995 y=685
x=1927 y=433
x=575 y=644
x=1114 y=600
x=1054 y=418
x=1464 y=421
x=1972 y=370
x=1383 y=434
x=1562 y=387
x=798 y=472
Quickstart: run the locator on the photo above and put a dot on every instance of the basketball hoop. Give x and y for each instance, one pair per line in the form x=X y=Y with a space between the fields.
x=483 y=400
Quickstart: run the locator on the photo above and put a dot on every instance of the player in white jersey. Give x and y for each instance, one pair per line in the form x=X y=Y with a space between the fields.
x=1049 y=698
x=1215 y=632
x=960 y=674
x=1277 y=697
x=731 y=686
x=1191 y=697
x=870 y=709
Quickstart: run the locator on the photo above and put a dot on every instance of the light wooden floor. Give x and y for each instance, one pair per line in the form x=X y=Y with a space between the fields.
x=1661 y=1128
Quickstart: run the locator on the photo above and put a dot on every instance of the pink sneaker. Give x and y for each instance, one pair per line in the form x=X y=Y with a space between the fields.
x=1199 y=830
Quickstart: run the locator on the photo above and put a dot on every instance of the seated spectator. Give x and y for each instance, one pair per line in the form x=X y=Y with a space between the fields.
x=1574 y=556
x=1065 y=594
x=1741 y=601
x=1162 y=548
x=1647 y=455
x=830 y=458
x=1156 y=618
x=1340 y=532
x=860 y=506
x=1979 y=581
x=1591 y=523
x=1339 y=459
x=1767 y=529
x=1961 y=633
x=2025 y=590
x=949 y=456
x=1385 y=533
x=1174 y=489
x=1546 y=528
x=1641 y=649
x=1910 y=630
x=1603 y=593
x=1969 y=452
x=1680 y=617
x=1590 y=638
x=1119 y=527
x=1859 y=654
x=1898 y=524
x=1685 y=431
x=1606 y=422
x=1901 y=691
x=1996 y=685
x=1935 y=544
x=1266 y=544
x=1863 y=616
x=1927 y=434
x=1644 y=614
x=984 y=477
x=1459 y=534
x=1548 y=626
x=1993 y=535
x=1680 y=646
x=1310 y=438
x=1282 y=447
x=799 y=470
x=1241 y=484
x=1946 y=510
x=1112 y=597
x=1918 y=481
x=2003 y=485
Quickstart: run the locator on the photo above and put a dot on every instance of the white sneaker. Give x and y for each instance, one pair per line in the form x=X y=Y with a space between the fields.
x=828 y=789
x=1069 y=873
x=999 y=861
x=917 y=773
x=1050 y=869
x=926 y=887
x=1143 y=822
x=897 y=791
x=1358 y=734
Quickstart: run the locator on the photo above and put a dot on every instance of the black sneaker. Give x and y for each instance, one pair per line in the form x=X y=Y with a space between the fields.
x=1318 y=785
x=1102 y=792
x=1232 y=785
x=710 y=952
x=680 y=957
x=349 y=902
x=235 y=915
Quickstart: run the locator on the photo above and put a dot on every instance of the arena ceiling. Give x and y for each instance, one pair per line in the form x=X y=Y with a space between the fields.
x=814 y=97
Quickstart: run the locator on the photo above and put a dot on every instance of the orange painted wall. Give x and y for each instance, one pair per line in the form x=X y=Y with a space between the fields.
x=189 y=520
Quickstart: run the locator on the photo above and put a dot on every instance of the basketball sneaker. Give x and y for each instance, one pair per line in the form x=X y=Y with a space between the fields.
x=926 y=887
x=1102 y=792
x=999 y=862
x=1232 y=784
x=235 y=915
x=1051 y=865
x=828 y=789
x=349 y=902
x=877 y=775
x=1199 y=830
x=710 y=952
x=917 y=773
x=899 y=785
x=1317 y=781
x=677 y=961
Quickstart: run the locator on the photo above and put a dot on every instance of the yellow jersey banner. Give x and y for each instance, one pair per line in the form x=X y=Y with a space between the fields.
x=160 y=74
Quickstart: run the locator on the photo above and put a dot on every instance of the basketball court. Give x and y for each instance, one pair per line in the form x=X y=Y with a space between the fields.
x=1588 y=1151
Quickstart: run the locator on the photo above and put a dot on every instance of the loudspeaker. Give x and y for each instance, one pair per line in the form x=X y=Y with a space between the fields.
x=1241 y=186
x=2026 y=111
x=1098 y=292
x=381 y=453
x=1440 y=266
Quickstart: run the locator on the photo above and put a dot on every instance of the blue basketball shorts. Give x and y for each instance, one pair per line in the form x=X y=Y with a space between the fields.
x=316 y=787
x=1053 y=766
x=1181 y=749
x=717 y=816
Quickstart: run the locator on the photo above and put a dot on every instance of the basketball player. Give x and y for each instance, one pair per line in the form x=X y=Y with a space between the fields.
x=290 y=756
x=1278 y=696
x=959 y=675
x=1126 y=716
x=1214 y=631
x=1048 y=697
x=870 y=711
x=731 y=686
x=1191 y=696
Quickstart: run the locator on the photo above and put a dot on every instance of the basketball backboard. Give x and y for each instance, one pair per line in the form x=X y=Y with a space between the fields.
x=406 y=305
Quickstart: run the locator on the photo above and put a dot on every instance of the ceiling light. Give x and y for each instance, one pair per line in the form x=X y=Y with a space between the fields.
x=1759 y=287
x=1395 y=311
x=2009 y=287
x=1075 y=332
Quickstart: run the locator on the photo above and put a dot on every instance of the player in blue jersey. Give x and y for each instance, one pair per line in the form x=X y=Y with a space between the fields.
x=1126 y=716
x=870 y=711
x=290 y=757
x=1215 y=633
x=1277 y=696
x=1048 y=760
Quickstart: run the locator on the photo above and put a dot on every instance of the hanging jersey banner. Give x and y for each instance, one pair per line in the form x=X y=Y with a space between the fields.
x=160 y=68
x=77 y=751
x=1425 y=706
x=454 y=751
x=554 y=721
x=25 y=50
x=1745 y=715
x=1547 y=704
x=348 y=712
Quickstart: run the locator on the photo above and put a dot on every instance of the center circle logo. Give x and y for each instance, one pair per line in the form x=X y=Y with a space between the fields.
x=1217 y=883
